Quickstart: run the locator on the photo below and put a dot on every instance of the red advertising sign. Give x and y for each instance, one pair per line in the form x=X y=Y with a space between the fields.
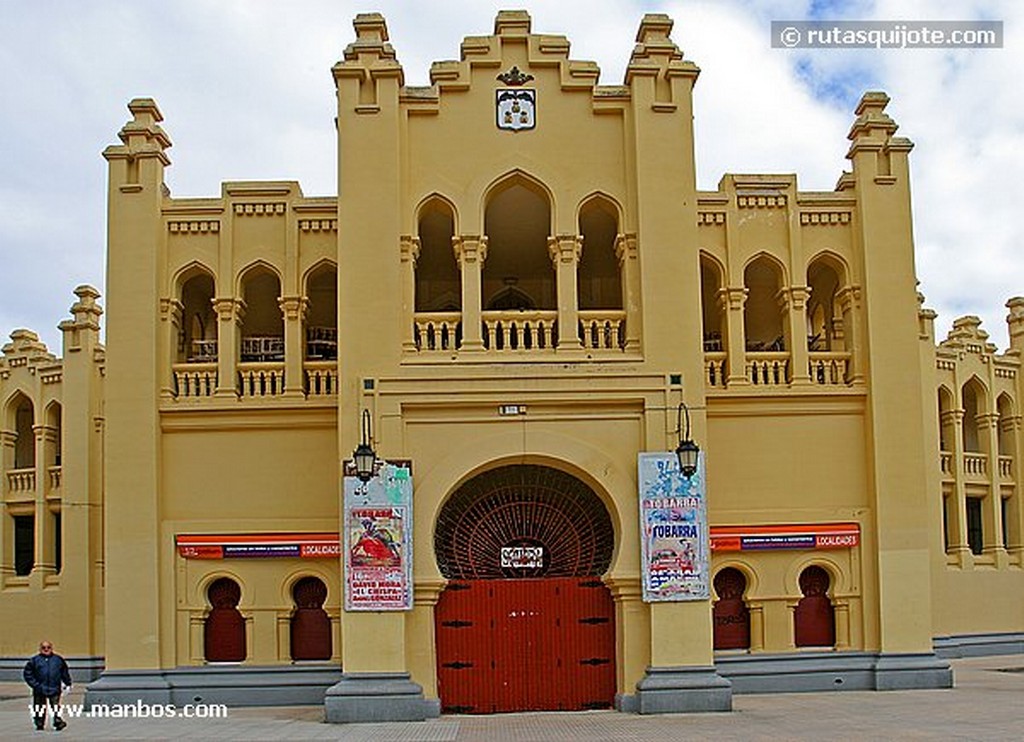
x=785 y=537
x=258 y=546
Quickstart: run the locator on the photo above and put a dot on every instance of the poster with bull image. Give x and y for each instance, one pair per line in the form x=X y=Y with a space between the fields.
x=378 y=541
x=674 y=530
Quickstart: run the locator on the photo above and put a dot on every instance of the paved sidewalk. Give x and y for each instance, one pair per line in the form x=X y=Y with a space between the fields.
x=986 y=704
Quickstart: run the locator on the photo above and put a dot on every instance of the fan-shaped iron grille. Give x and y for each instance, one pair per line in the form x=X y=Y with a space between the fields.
x=523 y=506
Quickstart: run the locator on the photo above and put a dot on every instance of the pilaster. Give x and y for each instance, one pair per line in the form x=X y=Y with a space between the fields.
x=294 y=308
x=419 y=634
x=81 y=482
x=136 y=254
x=992 y=515
x=471 y=252
x=43 y=565
x=565 y=251
x=629 y=271
x=957 y=519
x=230 y=313
x=170 y=325
x=853 y=331
x=732 y=301
x=897 y=450
x=409 y=248
x=793 y=302
x=634 y=626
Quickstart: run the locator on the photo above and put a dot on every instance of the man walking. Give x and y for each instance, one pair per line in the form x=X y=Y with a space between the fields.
x=45 y=674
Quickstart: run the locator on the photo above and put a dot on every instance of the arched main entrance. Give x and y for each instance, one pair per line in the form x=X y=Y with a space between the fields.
x=525 y=623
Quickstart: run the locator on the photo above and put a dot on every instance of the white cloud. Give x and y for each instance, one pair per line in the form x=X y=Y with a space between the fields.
x=246 y=89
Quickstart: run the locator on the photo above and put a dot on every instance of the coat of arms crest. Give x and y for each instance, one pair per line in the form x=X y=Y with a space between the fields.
x=516 y=107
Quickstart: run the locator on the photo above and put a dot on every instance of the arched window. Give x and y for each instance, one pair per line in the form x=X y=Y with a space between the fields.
x=762 y=316
x=310 y=625
x=730 y=614
x=711 y=310
x=517 y=222
x=597 y=278
x=25 y=443
x=975 y=403
x=198 y=332
x=263 y=324
x=1007 y=431
x=814 y=618
x=438 y=278
x=224 y=629
x=947 y=425
x=53 y=421
x=322 y=314
x=824 y=319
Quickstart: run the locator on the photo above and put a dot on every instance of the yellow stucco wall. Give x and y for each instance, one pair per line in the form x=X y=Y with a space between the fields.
x=841 y=428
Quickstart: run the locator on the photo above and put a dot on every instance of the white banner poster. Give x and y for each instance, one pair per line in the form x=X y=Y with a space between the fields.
x=377 y=541
x=674 y=530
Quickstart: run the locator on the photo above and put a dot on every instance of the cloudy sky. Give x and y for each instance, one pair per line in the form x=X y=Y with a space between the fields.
x=246 y=92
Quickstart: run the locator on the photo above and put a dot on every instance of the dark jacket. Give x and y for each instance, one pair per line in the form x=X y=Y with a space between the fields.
x=45 y=674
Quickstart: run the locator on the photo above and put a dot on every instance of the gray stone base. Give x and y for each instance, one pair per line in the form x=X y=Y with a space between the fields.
x=627 y=703
x=978 y=645
x=912 y=671
x=377 y=696
x=83 y=669
x=127 y=687
x=672 y=690
x=232 y=685
x=799 y=672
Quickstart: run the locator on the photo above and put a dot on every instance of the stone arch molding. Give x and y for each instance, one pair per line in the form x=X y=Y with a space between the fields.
x=527 y=180
x=839 y=581
x=592 y=466
x=202 y=585
x=254 y=267
x=426 y=201
x=743 y=567
x=186 y=273
x=294 y=575
x=523 y=505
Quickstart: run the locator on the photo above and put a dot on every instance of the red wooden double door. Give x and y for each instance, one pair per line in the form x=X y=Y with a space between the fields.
x=543 y=644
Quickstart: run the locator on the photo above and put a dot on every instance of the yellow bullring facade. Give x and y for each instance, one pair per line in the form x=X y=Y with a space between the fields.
x=517 y=293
